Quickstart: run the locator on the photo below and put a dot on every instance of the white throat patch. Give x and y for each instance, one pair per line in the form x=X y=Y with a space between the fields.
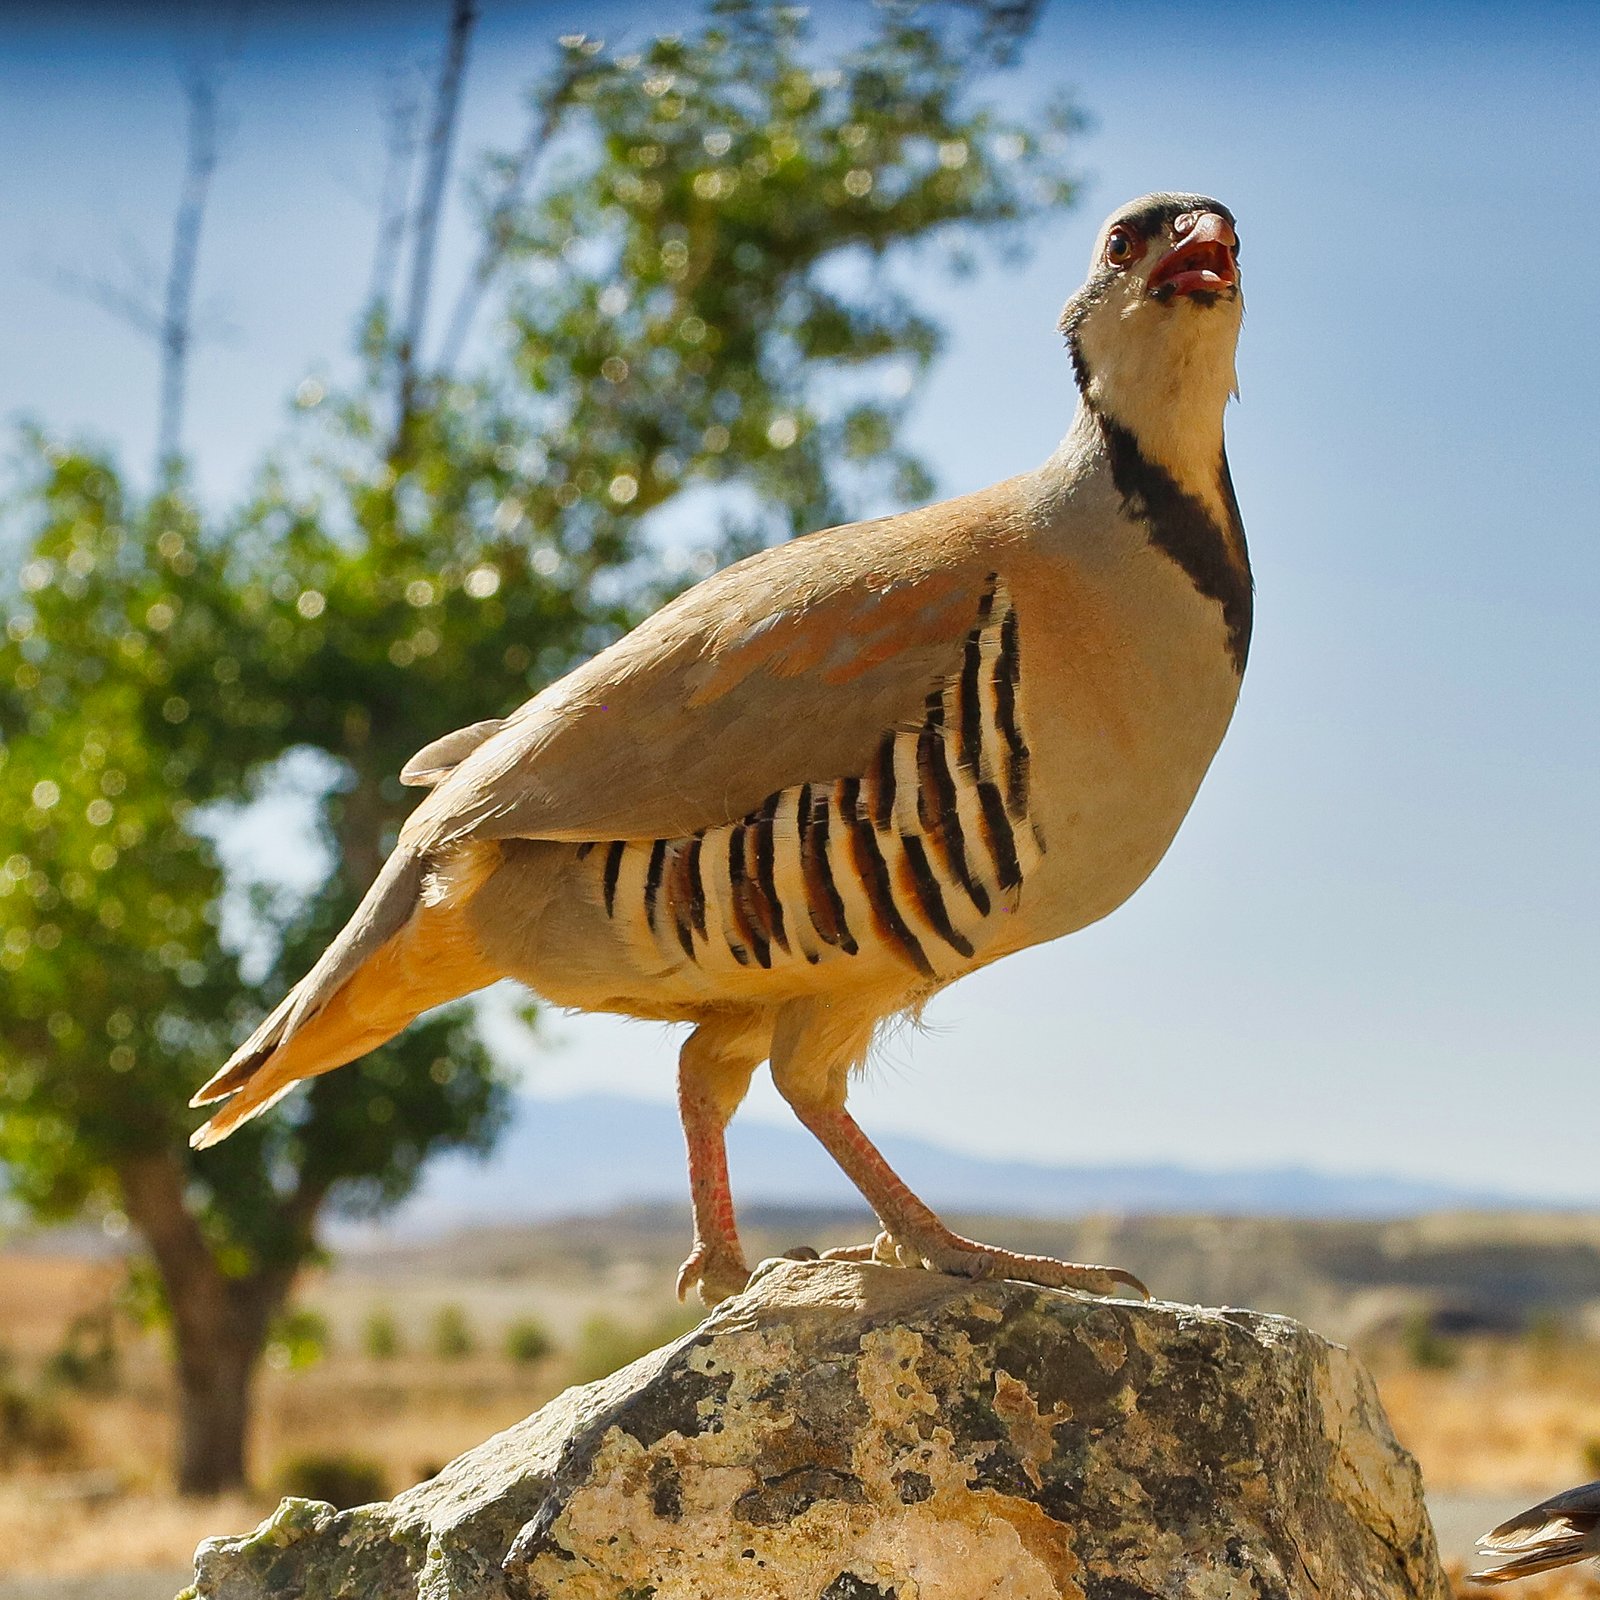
x=1165 y=371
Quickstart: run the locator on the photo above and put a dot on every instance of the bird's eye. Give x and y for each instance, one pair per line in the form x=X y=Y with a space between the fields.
x=1122 y=248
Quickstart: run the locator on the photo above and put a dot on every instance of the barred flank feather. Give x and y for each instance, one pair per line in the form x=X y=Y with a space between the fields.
x=910 y=857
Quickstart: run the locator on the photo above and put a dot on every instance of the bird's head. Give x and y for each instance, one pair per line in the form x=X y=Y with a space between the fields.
x=1152 y=332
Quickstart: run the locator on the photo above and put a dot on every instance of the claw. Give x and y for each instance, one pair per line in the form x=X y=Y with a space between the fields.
x=715 y=1273
x=1127 y=1279
x=688 y=1276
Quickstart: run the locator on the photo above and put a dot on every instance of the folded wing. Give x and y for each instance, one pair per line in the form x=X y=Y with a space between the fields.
x=785 y=669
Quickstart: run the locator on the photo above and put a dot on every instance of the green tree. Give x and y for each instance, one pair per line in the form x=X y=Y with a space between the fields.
x=693 y=259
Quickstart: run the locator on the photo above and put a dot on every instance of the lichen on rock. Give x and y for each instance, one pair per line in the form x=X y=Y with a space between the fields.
x=848 y=1431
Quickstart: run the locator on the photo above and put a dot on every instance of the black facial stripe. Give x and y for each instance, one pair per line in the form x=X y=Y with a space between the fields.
x=613 y=867
x=1200 y=297
x=1182 y=527
x=1077 y=310
x=925 y=890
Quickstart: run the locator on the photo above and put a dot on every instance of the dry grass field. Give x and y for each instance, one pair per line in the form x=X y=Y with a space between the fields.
x=402 y=1358
x=83 y=1463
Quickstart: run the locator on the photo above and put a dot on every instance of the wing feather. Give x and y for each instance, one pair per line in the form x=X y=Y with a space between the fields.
x=784 y=668
x=434 y=761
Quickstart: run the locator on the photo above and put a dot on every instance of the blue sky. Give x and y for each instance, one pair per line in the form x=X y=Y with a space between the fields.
x=1376 y=942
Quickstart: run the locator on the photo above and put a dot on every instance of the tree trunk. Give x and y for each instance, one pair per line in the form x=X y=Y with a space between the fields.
x=361 y=824
x=214 y=1402
x=219 y=1324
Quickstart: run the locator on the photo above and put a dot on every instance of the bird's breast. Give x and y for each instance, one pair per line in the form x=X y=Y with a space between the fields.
x=1128 y=683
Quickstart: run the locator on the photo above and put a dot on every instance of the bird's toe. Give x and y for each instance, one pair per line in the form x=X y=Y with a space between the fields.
x=965 y=1258
x=716 y=1274
x=852 y=1252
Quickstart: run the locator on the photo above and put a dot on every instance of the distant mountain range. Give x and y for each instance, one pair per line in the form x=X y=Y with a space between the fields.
x=594 y=1153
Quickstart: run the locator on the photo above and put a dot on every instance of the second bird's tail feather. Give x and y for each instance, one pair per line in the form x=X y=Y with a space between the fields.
x=1555 y=1533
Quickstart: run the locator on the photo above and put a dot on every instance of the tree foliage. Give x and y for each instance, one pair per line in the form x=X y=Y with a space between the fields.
x=698 y=323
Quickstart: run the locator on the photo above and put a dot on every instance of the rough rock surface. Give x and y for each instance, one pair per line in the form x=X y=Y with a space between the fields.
x=860 y=1432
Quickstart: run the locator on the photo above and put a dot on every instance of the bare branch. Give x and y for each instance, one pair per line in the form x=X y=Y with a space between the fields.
x=135 y=299
x=127 y=305
x=401 y=108
x=1003 y=26
x=498 y=225
x=176 y=332
x=166 y=315
x=425 y=226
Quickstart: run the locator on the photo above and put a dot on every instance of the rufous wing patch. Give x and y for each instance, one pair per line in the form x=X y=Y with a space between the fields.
x=841 y=640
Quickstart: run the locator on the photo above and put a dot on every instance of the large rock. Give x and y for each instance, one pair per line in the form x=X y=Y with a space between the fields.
x=859 y=1432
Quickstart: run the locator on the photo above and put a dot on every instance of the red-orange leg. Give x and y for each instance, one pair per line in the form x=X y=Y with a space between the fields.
x=714 y=1071
x=716 y=1264
x=914 y=1236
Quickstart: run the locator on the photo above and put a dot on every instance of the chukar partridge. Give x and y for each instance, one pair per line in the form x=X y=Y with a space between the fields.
x=1555 y=1533
x=835 y=777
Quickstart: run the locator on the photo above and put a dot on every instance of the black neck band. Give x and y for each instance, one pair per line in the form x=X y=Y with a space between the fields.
x=1182 y=526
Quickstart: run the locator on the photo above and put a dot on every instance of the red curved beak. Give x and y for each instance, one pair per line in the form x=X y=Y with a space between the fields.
x=1201 y=262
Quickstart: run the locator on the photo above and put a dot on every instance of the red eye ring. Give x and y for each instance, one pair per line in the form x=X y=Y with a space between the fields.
x=1122 y=247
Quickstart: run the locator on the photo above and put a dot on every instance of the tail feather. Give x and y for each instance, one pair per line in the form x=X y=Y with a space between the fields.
x=244 y=1061
x=383 y=911
x=1555 y=1553
x=1554 y=1533
x=400 y=955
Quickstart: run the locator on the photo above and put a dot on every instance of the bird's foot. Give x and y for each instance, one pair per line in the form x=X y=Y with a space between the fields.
x=717 y=1271
x=943 y=1251
x=856 y=1252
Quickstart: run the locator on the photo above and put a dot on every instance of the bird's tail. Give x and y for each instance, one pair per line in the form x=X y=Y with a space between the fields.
x=1554 y=1533
x=406 y=949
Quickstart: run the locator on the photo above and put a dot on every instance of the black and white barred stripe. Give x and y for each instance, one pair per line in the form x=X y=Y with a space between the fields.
x=911 y=856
